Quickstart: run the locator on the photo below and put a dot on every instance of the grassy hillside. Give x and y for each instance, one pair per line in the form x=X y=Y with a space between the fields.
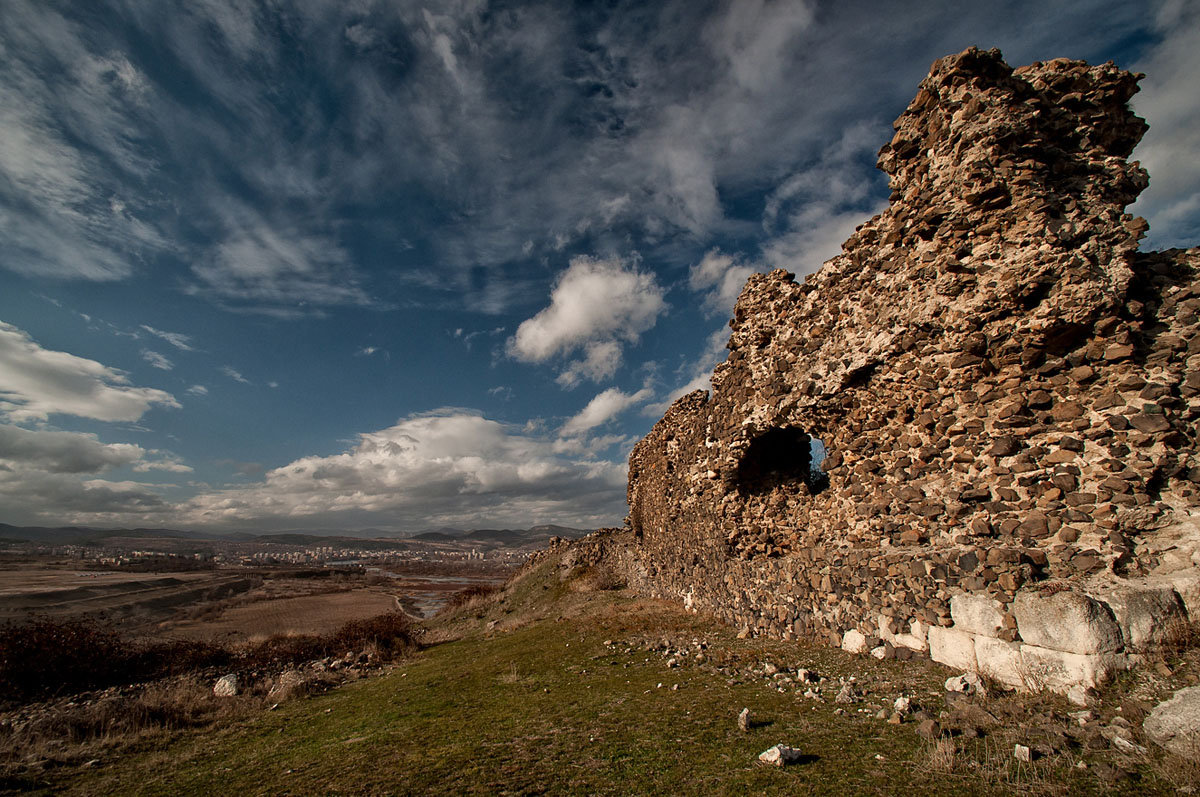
x=559 y=685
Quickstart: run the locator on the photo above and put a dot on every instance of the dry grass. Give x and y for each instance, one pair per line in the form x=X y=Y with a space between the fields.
x=308 y=614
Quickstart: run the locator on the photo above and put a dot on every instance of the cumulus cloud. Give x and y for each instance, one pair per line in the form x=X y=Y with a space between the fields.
x=157 y=360
x=53 y=498
x=595 y=306
x=63 y=452
x=37 y=382
x=449 y=467
x=721 y=278
x=605 y=406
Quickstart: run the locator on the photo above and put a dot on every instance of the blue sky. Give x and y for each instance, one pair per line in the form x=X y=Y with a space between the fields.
x=394 y=265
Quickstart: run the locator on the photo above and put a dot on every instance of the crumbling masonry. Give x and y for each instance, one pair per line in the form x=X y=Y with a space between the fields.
x=1006 y=388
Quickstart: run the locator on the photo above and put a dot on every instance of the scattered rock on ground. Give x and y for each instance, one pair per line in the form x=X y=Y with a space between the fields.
x=1175 y=723
x=780 y=755
x=226 y=686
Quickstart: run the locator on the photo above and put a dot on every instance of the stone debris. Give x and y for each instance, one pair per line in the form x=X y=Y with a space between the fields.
x=226 y=686
x=743 y=720
x=781 y=755
x=1175 y=723
x=974 y=435
x=1022 y=753
x=969 y=683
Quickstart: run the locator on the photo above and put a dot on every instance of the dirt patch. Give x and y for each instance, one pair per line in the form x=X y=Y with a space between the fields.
x=309 y=614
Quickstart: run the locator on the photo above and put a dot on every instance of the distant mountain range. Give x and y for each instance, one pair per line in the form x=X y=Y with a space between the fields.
x=82 y=535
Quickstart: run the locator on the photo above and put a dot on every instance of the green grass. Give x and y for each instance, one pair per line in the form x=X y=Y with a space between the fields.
x=548 y=708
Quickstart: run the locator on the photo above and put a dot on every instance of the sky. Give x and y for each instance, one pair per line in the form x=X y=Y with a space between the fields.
x=344 y=265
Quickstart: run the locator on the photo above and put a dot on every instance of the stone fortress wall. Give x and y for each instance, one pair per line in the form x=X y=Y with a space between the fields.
x=1006 y=389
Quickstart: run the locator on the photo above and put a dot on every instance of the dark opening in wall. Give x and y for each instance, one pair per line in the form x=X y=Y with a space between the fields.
x=783 y=456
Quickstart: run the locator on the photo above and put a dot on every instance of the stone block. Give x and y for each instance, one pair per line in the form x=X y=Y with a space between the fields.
x=1068 y=621
x=1057 y=671
x=953 y=648
x=1146 y=616
x=977 y=614
x=999 y=660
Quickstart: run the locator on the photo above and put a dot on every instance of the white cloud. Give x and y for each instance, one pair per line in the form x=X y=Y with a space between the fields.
x=448 y=467
x=721 y=277
x=366 y=351
x=157 y=360
x=198 y=390
x=68 y=212
x=234 y=374
x=63 y=452
x=596 y=305
x=166 y=462
x=37 y=382
x=1170 y=102
x=176 y=339
x=276 y=266
x=605 y=406
x=55 y=498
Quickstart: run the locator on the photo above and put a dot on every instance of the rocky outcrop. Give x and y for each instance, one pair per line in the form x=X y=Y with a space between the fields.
x=972 y=434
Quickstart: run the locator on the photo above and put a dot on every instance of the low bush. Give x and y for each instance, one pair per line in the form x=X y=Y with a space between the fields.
x=47 y=658
x=472 y=593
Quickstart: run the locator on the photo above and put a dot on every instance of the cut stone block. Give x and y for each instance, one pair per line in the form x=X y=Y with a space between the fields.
x=1057 y=671
x=1066 y=621
x=999 y=660
x=953 y=648
x=977 y=614
x=1146 y=616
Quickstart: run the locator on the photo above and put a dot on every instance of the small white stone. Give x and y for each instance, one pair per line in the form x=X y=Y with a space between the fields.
x=780 y=755
x=226 y=686
x=1022 y=753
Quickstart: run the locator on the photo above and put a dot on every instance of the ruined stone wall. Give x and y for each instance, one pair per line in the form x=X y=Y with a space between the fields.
x=1006 y=389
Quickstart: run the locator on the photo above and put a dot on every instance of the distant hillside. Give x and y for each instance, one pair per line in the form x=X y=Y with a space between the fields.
x=366 y=538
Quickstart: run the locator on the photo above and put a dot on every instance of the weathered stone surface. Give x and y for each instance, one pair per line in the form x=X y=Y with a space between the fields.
x=1146 y=616
x=997 y=375
x=1045 y=668
x=854 y=642
x=977 y=614
x=781 y=755
x=1068 y=621
x=955 y=649
x=1000 y=661
x=1175 y=723
x=226 y=686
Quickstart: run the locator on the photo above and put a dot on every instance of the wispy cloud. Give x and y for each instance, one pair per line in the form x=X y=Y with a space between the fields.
x=176 y=339
x=157 y=360
x=36 y=383
x=234 y=374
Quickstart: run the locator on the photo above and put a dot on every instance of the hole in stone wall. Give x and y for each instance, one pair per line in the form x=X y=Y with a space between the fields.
x=782 y=456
